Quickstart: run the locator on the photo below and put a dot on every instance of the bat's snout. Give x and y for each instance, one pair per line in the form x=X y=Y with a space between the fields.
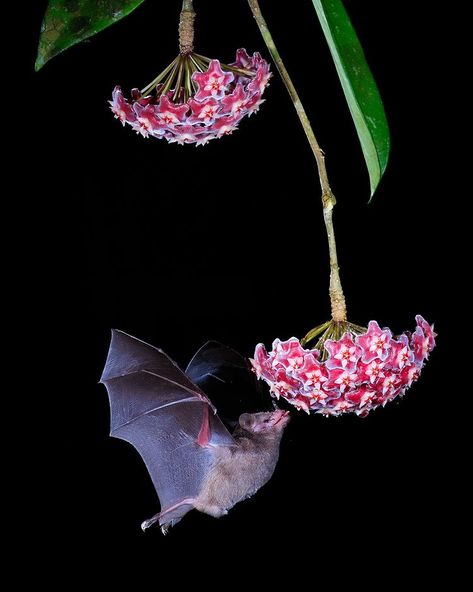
x=280 y=417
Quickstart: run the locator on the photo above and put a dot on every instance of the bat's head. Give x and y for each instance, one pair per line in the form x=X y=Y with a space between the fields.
x=264 y=422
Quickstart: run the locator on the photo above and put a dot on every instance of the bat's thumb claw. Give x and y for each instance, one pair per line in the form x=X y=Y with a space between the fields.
x=144 y=526
x=147 y=523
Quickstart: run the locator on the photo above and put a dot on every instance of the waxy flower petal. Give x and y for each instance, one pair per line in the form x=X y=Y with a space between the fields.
x=358 y=375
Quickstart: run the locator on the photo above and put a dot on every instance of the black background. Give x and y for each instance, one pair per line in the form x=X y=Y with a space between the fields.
x=178 y=245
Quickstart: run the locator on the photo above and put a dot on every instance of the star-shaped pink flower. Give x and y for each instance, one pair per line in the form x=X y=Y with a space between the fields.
x=243 y=60
x=122 y=110
x=184 y=134
x=371 y=372
x=317 y=397
x=408 y=375
x=363 y=395
x=289 y=354
x=262 y=365
x=169 y=113
x=213 y=83
x=147 y=122
x=375 y=343
x=312 y=373
x=428 y=331
x=284 y=385
x=204 y=111
x=226 y=125
x=341 y=405
x=235 y=103
x=261 y=80
x=301 y=403
x=390 y=383
x=343 y=353
x=420 y=344
x=204 y=139
x=400 y=354
x=341 y=380
x=254 y=103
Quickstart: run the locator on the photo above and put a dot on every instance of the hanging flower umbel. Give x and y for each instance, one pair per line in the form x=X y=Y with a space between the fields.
x=195 y=99
x=363 y=369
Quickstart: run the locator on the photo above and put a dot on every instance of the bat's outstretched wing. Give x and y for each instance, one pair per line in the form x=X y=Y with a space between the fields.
x=166 y=417
x=216 y=361
x=226 y=377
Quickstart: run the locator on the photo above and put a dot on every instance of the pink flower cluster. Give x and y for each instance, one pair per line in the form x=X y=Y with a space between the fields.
x=222 y=100
x=359 y=374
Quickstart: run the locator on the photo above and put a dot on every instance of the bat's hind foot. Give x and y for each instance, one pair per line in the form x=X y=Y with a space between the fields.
x=168 y=517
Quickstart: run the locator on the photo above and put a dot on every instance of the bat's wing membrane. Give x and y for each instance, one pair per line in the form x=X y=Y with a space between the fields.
x=166 y=417
x=226 y=376
x=216 y=361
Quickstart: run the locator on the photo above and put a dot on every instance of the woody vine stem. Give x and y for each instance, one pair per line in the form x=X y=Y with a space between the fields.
x=337 y=298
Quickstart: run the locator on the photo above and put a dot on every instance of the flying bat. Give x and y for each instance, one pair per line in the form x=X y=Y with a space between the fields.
x=193 y=459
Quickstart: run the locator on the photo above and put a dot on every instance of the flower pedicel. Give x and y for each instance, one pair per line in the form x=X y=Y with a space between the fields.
x=195 y=99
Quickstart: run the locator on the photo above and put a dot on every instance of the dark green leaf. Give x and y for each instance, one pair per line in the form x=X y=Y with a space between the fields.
x=67 y=22
x=359 y=86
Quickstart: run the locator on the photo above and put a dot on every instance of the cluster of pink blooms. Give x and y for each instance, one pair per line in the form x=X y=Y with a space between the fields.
x=221 y=101
x=360 y=373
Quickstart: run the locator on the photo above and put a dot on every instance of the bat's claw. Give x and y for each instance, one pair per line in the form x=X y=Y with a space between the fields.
x=147 y=523
x=170 y=520
x=144 y=525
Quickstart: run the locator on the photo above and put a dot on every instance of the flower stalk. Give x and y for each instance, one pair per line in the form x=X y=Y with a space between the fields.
x=337 y=298
x=186 y=28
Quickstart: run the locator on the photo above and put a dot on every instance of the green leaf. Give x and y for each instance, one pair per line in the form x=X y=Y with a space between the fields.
x=68 y=22
x=359 y=87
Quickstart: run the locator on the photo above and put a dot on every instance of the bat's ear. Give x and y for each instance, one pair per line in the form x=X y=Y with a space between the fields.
x=246 y=421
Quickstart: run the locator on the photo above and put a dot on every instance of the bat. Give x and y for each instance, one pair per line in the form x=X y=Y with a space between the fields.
x=193 y=459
